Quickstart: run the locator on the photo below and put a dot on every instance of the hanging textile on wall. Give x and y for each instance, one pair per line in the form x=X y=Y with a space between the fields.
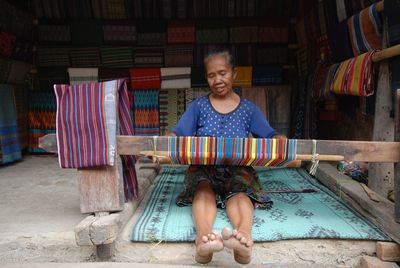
x=279 y=108
x=231 y=151
x=86 y=133
x=54 y=33
x=181 y=32
x=116 y=57
x=355 y=76
x=10 y=148
x=194 y=93
x=341 y=50
x=178 y=56
x=53 y=56
x=146 y=112
x=172 y=106
x=119 y=32
x=365 y=29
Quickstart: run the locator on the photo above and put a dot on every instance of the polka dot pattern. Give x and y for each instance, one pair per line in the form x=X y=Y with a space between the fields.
x=235 y=124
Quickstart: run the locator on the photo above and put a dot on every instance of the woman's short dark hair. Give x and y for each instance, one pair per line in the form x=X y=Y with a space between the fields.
x=224 y=53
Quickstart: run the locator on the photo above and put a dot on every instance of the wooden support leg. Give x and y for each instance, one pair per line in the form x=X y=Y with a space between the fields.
x=101 y=189
x=105 y=252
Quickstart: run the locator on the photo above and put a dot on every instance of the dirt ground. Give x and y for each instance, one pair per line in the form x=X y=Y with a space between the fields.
x=39 y=208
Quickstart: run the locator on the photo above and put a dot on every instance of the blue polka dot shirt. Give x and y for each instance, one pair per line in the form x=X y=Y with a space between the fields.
x=201 y=119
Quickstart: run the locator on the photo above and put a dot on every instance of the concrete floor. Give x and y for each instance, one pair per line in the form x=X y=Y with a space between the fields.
x=39 y=208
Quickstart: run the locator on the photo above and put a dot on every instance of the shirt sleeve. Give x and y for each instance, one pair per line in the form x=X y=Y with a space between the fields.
x=187 y=125
x=259 y=126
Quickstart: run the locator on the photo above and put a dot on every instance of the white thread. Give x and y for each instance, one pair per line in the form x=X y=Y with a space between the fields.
x=314 y=158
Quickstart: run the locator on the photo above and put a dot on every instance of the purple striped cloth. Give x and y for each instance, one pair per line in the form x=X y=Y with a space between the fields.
x=87 y=127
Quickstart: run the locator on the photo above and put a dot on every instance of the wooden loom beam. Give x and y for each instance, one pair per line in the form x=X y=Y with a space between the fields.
x=364 y=151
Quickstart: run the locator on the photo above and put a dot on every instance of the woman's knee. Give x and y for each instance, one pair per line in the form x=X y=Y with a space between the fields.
x=204 y=190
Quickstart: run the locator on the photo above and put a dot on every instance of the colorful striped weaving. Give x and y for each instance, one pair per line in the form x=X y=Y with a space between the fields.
x=231 y=151
x=365 y=30
x=355 y=76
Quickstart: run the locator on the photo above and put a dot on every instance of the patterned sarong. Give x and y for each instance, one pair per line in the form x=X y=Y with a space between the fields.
x=171 y=108
x=148 y=56
x=116 y=57
x=10 y=148
x=231 y=151
x=365 y=30
x=87 y=127
x=146 y=112
x=142 y=78
x=355 y=76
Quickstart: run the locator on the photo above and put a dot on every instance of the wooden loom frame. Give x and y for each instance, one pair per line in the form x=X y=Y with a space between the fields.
x=101 y=189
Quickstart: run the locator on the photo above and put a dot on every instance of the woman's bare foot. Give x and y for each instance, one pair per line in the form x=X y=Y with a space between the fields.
x=241 y=243
x=206 y=245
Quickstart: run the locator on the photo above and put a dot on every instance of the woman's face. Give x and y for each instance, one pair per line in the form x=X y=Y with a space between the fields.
x=220 y=75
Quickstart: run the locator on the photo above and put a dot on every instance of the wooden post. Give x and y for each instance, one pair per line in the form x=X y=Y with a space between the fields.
x=381 y=174
x=101 y=189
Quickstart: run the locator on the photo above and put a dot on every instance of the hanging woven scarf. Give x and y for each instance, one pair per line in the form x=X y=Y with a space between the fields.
x=354 y=76
x=231 y=151
x=365 y=30
x=87 y=127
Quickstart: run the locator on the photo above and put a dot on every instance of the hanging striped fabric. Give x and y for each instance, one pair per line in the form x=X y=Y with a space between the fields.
x=354 y=76
x=365 y=30
x=231 y=151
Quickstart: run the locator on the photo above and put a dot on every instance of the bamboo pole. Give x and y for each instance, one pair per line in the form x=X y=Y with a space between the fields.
x=386 y=53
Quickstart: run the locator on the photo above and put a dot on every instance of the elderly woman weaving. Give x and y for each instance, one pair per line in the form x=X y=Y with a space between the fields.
x=223 y=113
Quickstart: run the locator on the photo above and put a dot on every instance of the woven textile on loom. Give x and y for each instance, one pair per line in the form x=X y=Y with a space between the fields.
x=231 y=151
x=175 y=77
x=10 y=148
x=83 y=75
x=355 y=76
x=87 y=124
x=142 y=78
x=243 y=76
x=146 y=112
x=365 y=30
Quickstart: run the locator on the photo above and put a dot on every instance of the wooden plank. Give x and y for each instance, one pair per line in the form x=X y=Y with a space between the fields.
x=397 y=165
x=380 y=213
x=382 y=174
x=373 y=262
x=101 y=189
x=388 y=251
x=363 y=151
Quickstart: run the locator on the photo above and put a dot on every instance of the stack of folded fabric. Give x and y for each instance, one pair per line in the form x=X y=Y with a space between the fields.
x=178 y=56
x=244 y=34
x=119 y=33
x=175 y=77
x=148 y=56
x=243 y=76
x=86 y=32
x=267 y=75
x=151 y=33
x=83 y=75
x=53 y=56
x=181 y=32
x=85 y=56
x=116 y=57
x=214 y=33
x=271 y=34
